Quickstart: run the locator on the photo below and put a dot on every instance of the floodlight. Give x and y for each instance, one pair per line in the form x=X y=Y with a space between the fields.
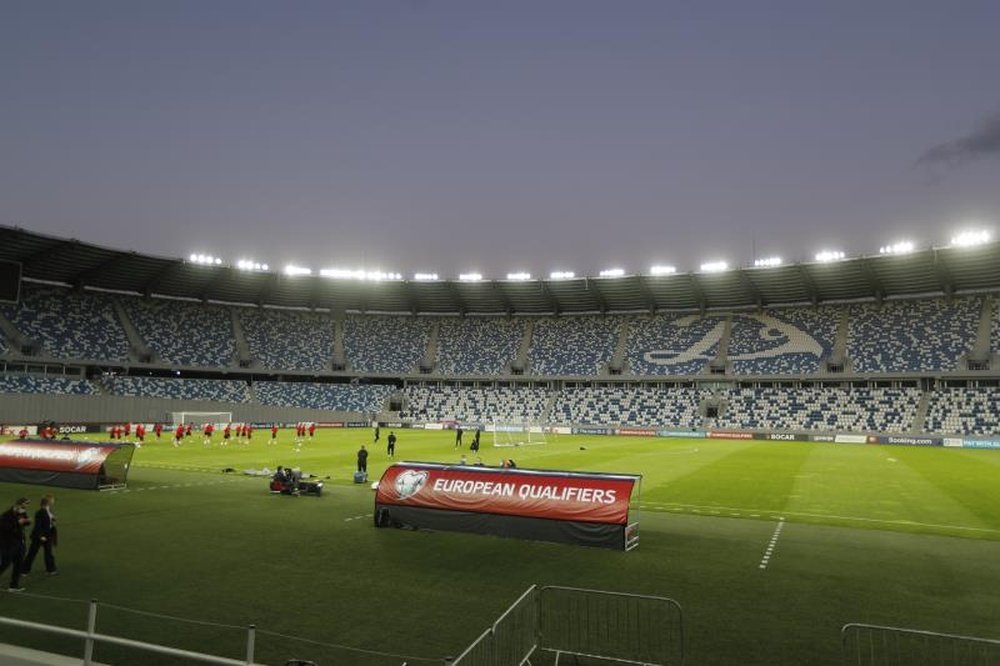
x=425 y=277
x=970 y=238
x=660 y=269
x=830 y=255
x=562 y=275
x=358 y=274
x=470 y=277
x=902 y=247
x=205 y=259
x=520 y=277
x=767 y=262
x=292 y=269
x=714 y=267
x=613 y=272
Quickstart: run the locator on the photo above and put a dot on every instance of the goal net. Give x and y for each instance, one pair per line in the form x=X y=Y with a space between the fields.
x=518 y=433
x=199 y=418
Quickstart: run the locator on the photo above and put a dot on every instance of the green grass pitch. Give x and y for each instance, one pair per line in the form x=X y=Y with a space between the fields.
x=900 y=536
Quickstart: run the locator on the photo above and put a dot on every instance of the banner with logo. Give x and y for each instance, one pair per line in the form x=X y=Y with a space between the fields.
x=565 y=507
x=65 y=463
x=718 y=434
x=981 y=443
x=637 y=432
x=551 y=495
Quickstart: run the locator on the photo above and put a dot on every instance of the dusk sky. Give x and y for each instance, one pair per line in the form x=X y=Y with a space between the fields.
x=453 y=136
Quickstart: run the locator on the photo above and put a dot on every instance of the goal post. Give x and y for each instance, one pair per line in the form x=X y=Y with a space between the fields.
x=518 y=433
x=217 y=418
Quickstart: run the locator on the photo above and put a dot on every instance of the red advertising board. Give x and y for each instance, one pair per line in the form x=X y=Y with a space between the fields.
x=716 y=434
x=593 y=498
x=82 y=458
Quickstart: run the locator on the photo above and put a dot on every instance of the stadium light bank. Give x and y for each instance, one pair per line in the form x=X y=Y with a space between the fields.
x=205 y=259
x=562 y=275
x=612 y=272
x=714 y=267
x=292 y=269
x=470 y=277
x=902 y=247
x=767 y=262
x=826 y=256
x=662 y=269
x=519 y=277
x=358 y=274
x=971 y=238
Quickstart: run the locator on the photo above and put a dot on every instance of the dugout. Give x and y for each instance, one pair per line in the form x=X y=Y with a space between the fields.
x=86 y=465
x=590 y=509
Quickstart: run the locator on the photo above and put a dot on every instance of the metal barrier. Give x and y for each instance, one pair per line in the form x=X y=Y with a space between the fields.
x=90 y=637
x=872 y=645
x=560 y=621
x=511 y=640
x=627 y=628
x=54 y=617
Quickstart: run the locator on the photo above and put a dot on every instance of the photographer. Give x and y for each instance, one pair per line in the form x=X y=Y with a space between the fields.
x=12 y=524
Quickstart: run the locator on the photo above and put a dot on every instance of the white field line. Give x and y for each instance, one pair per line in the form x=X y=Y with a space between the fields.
x=771 y=544
x=170 y=487
x=737 y=511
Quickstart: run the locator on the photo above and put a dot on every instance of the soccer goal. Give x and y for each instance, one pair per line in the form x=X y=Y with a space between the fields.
x=518 y=433
x=198 y=418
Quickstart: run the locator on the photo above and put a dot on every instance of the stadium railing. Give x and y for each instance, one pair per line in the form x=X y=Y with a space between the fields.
x=592 y=624
x=873 y=645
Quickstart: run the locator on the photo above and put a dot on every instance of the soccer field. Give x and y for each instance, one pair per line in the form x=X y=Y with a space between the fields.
x=899 y=536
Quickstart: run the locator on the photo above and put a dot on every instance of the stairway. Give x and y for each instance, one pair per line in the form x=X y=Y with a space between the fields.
x=138 y=350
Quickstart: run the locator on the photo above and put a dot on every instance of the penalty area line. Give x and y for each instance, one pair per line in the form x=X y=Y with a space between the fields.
x=769 y=551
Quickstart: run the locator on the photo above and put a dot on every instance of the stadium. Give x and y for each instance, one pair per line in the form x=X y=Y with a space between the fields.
x=814 y=442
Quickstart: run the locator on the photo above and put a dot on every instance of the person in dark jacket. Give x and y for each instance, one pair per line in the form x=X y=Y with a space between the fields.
x=12 y=523
x=362 y=459
x=44 y=537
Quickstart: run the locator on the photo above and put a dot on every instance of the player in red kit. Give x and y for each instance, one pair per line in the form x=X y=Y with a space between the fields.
x=140 y=434
x=312 y=430
x=158 y=429
x=179 y=434
x=274 y=433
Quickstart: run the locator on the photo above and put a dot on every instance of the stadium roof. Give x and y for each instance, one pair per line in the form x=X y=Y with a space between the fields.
x=940 y=271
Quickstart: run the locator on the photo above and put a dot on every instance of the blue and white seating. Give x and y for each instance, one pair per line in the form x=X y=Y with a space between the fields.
x=48 y=384
x=572 y=345
x=787 y=341
x=890 y=410
x=912 y=336
x=502 y=404
x=70 y=325
x=385 y=344
x=964 y=411
x=365 y=398
x=631 y=406
x=184 y=333
x=287 y=339
x=220 y=390
x=478 y=346
x=672 y=344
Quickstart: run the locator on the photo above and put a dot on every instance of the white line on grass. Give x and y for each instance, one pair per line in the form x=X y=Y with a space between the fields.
x=179 y=485
x=771 y=544
x=673 y=506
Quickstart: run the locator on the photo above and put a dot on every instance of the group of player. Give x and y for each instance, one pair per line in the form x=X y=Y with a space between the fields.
x=121 y=431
